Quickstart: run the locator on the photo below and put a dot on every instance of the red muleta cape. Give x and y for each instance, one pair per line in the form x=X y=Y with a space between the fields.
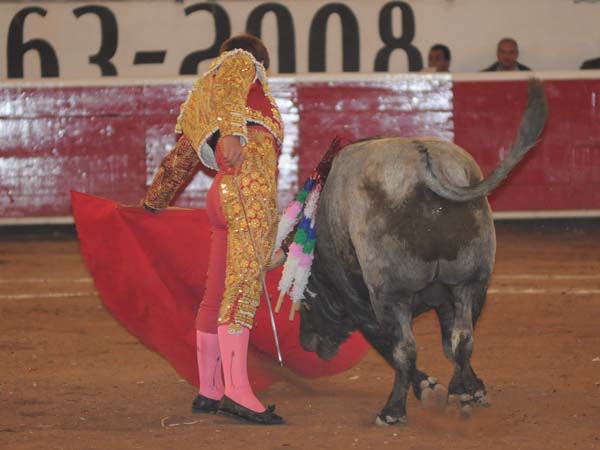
x=149 y=270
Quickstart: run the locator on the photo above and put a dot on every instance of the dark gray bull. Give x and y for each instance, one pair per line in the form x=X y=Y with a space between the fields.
x=404 y=227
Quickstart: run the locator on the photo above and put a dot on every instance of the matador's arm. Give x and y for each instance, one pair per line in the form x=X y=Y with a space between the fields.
x=173 y=172
x=230 y=88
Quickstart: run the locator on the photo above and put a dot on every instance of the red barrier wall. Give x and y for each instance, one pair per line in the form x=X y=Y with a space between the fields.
x=563 y=171
x=108 y=140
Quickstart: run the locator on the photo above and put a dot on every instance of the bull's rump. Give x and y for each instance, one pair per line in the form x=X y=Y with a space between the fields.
x=380 y=214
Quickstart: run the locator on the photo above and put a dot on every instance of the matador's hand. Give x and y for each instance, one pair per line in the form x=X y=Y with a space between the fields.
x=232 y=151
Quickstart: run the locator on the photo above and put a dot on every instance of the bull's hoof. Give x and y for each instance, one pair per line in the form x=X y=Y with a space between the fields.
x=465 y=402
x=466 y=411
x=433 y=395
x=481 y=399
x=460 y=406
x=387 y=420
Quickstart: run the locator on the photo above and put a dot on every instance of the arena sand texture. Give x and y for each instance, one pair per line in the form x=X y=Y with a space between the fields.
x=72 y=378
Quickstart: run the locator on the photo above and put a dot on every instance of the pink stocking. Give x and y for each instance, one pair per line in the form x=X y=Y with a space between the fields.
x=209 y=365
x=234 y=349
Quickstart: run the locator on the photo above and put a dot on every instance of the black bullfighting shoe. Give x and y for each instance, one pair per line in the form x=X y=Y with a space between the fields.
x=204 y=405
x=237 y=411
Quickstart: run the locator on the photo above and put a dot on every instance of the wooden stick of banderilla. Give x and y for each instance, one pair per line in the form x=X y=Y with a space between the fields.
x=280 y=302
x=295 y=306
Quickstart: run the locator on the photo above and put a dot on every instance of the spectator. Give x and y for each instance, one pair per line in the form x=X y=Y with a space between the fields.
x=438 y=59
x=591 y=64
x=507 y=53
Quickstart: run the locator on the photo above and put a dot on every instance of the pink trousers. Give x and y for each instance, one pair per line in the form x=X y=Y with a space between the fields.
x=208 y=312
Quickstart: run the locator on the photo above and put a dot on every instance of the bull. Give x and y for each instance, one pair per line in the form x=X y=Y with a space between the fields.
x=404 y=227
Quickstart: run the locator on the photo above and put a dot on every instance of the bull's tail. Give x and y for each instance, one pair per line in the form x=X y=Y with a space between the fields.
x=532 y=124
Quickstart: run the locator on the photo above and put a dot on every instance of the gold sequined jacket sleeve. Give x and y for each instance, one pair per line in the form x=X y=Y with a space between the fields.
x=230 y=91
x=173 y=172
x=217 y=103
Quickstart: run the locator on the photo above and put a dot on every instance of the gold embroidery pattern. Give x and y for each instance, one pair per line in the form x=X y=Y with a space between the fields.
x=257 y=216
x=217 y=101
x=174 y=170
x=274 y=127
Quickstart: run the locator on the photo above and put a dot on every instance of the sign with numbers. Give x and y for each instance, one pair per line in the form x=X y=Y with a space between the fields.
x=165 y=39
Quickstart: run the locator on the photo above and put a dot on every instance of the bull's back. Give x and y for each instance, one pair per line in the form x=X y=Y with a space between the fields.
x=381 y=209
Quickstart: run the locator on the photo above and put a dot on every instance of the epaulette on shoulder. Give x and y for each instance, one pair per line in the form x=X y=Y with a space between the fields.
x=237 y=53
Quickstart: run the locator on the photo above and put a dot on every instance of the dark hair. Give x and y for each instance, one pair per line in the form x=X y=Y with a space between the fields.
x=251 y=44
x=444 y=49
x=509 y=40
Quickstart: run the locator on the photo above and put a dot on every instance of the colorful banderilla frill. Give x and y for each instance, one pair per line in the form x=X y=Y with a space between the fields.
x=301 y=213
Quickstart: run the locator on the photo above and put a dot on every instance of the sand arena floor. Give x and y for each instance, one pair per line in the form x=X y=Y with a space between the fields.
x=72 y=378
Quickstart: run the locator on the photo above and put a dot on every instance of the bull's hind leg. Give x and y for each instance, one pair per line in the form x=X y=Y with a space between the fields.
x=426 y=388
x=457 y=319
x=400 y=350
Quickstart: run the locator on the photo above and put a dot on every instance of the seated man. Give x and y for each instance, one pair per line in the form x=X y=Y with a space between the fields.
x=438 y=59
x=507 y=53
x=591 y=64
